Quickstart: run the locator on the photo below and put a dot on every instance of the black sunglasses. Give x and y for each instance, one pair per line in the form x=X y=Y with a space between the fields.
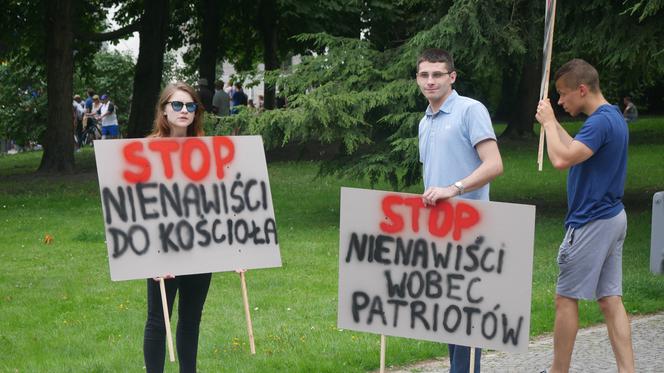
x=177 y=106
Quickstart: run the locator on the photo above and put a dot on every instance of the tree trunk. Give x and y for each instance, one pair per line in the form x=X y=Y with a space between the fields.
x=207 y=62
x=522 y=116
x=267 y=24
x=149 y=67
x=58 y=139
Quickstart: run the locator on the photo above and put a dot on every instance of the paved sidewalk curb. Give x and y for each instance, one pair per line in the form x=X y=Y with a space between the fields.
x=592 y=352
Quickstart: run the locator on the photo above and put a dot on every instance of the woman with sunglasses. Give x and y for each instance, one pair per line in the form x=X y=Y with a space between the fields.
x=179 y=113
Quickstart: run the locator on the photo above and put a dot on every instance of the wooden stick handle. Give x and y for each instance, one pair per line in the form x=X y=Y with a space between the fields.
x=540 y=150
x=383 y=342
x=247 y=314
x=472 y=360
x=544 y=91
x=167 y=320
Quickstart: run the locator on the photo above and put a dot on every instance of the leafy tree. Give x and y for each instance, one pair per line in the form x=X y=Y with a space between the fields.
x=152 y=19
x=74 y=29
x=262 y=31
x=111 y=72
x=625 y=43
x=58 y=140
x=645 y=8
x=174 y=72
x=362 y=95
x=41 y=35
x=23 y=112
x=22 y=102
x=210 y=12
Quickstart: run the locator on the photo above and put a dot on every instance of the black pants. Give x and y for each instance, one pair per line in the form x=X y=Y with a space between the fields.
x=193 y=291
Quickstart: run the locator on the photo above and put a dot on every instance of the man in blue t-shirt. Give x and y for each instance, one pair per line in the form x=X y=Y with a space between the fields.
x=88 y=101
x=238 y=98
x=590 y=257
x=458 y=151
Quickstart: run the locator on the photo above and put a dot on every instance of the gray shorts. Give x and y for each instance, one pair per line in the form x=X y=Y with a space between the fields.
x=590 y=259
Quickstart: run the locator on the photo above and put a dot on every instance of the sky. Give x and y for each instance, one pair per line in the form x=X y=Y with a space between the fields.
x=131 y=45
x=128 y=45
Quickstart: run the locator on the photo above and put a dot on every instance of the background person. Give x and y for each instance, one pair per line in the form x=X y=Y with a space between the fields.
x=89 y=100
x=90 y=117
x=221 y=102
x=590 y=256
x=79 y=109
x=109 y=119
x=630 y=113
x=261 y=102
x=239 y=98
x=179 y=113
x=458 y=151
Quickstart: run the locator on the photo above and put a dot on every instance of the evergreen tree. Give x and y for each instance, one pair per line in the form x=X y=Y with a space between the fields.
x=361 y=93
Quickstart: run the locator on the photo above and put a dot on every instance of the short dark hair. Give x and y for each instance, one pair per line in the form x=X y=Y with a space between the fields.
x=577 y=72
x=436 y=55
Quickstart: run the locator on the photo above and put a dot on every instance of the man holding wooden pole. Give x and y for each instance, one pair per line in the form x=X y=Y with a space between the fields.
x=590 y=256
x=458 y=151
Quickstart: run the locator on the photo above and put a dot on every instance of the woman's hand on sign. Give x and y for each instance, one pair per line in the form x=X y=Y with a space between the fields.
x=239 y=271
x=167 y=276
x=434 y=194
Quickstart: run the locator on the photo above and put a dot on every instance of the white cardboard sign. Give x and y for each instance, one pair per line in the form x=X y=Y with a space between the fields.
x=186 y=205
x=459 y=272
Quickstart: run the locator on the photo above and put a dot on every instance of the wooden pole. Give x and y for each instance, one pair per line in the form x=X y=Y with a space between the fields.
x=383 y=342
x=167 y=320
x=544 y=87
x=247 y=314
x=472 y=360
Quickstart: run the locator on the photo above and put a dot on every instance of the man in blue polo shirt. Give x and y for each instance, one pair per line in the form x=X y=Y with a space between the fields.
x=590 y=257
x=458 y=151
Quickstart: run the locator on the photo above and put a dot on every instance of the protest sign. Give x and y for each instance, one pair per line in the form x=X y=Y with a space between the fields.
x=459 y=272
x=186 y=205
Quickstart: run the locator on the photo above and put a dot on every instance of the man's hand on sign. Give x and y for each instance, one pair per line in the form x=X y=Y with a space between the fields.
x=238 y=271
x=434 y=194
x=167 y=276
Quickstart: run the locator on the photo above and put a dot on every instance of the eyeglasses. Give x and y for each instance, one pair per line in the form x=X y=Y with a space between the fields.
x=178 y=105
x=435 y=75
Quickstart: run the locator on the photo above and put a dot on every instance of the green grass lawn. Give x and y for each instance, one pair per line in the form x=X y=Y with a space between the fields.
x=59 y=311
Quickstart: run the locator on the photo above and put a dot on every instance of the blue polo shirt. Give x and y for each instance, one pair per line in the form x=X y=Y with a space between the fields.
x=447 y=141
x=595 y=187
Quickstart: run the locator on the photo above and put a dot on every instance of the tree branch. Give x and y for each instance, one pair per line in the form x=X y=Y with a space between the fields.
x=111 y=35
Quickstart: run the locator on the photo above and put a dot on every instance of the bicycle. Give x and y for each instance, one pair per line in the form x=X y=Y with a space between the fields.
x=90 y=133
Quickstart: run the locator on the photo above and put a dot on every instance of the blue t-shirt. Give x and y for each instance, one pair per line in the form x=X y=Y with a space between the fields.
x=595 y=187
x=447 y=141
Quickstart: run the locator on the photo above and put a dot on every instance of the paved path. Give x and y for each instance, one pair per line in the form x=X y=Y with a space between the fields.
x=592 y=352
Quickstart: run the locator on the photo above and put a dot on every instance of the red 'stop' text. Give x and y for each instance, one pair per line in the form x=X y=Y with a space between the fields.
x=445 y=217
x=216 y=155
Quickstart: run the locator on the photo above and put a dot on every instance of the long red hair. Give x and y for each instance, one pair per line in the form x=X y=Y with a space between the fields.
x=161 y=128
